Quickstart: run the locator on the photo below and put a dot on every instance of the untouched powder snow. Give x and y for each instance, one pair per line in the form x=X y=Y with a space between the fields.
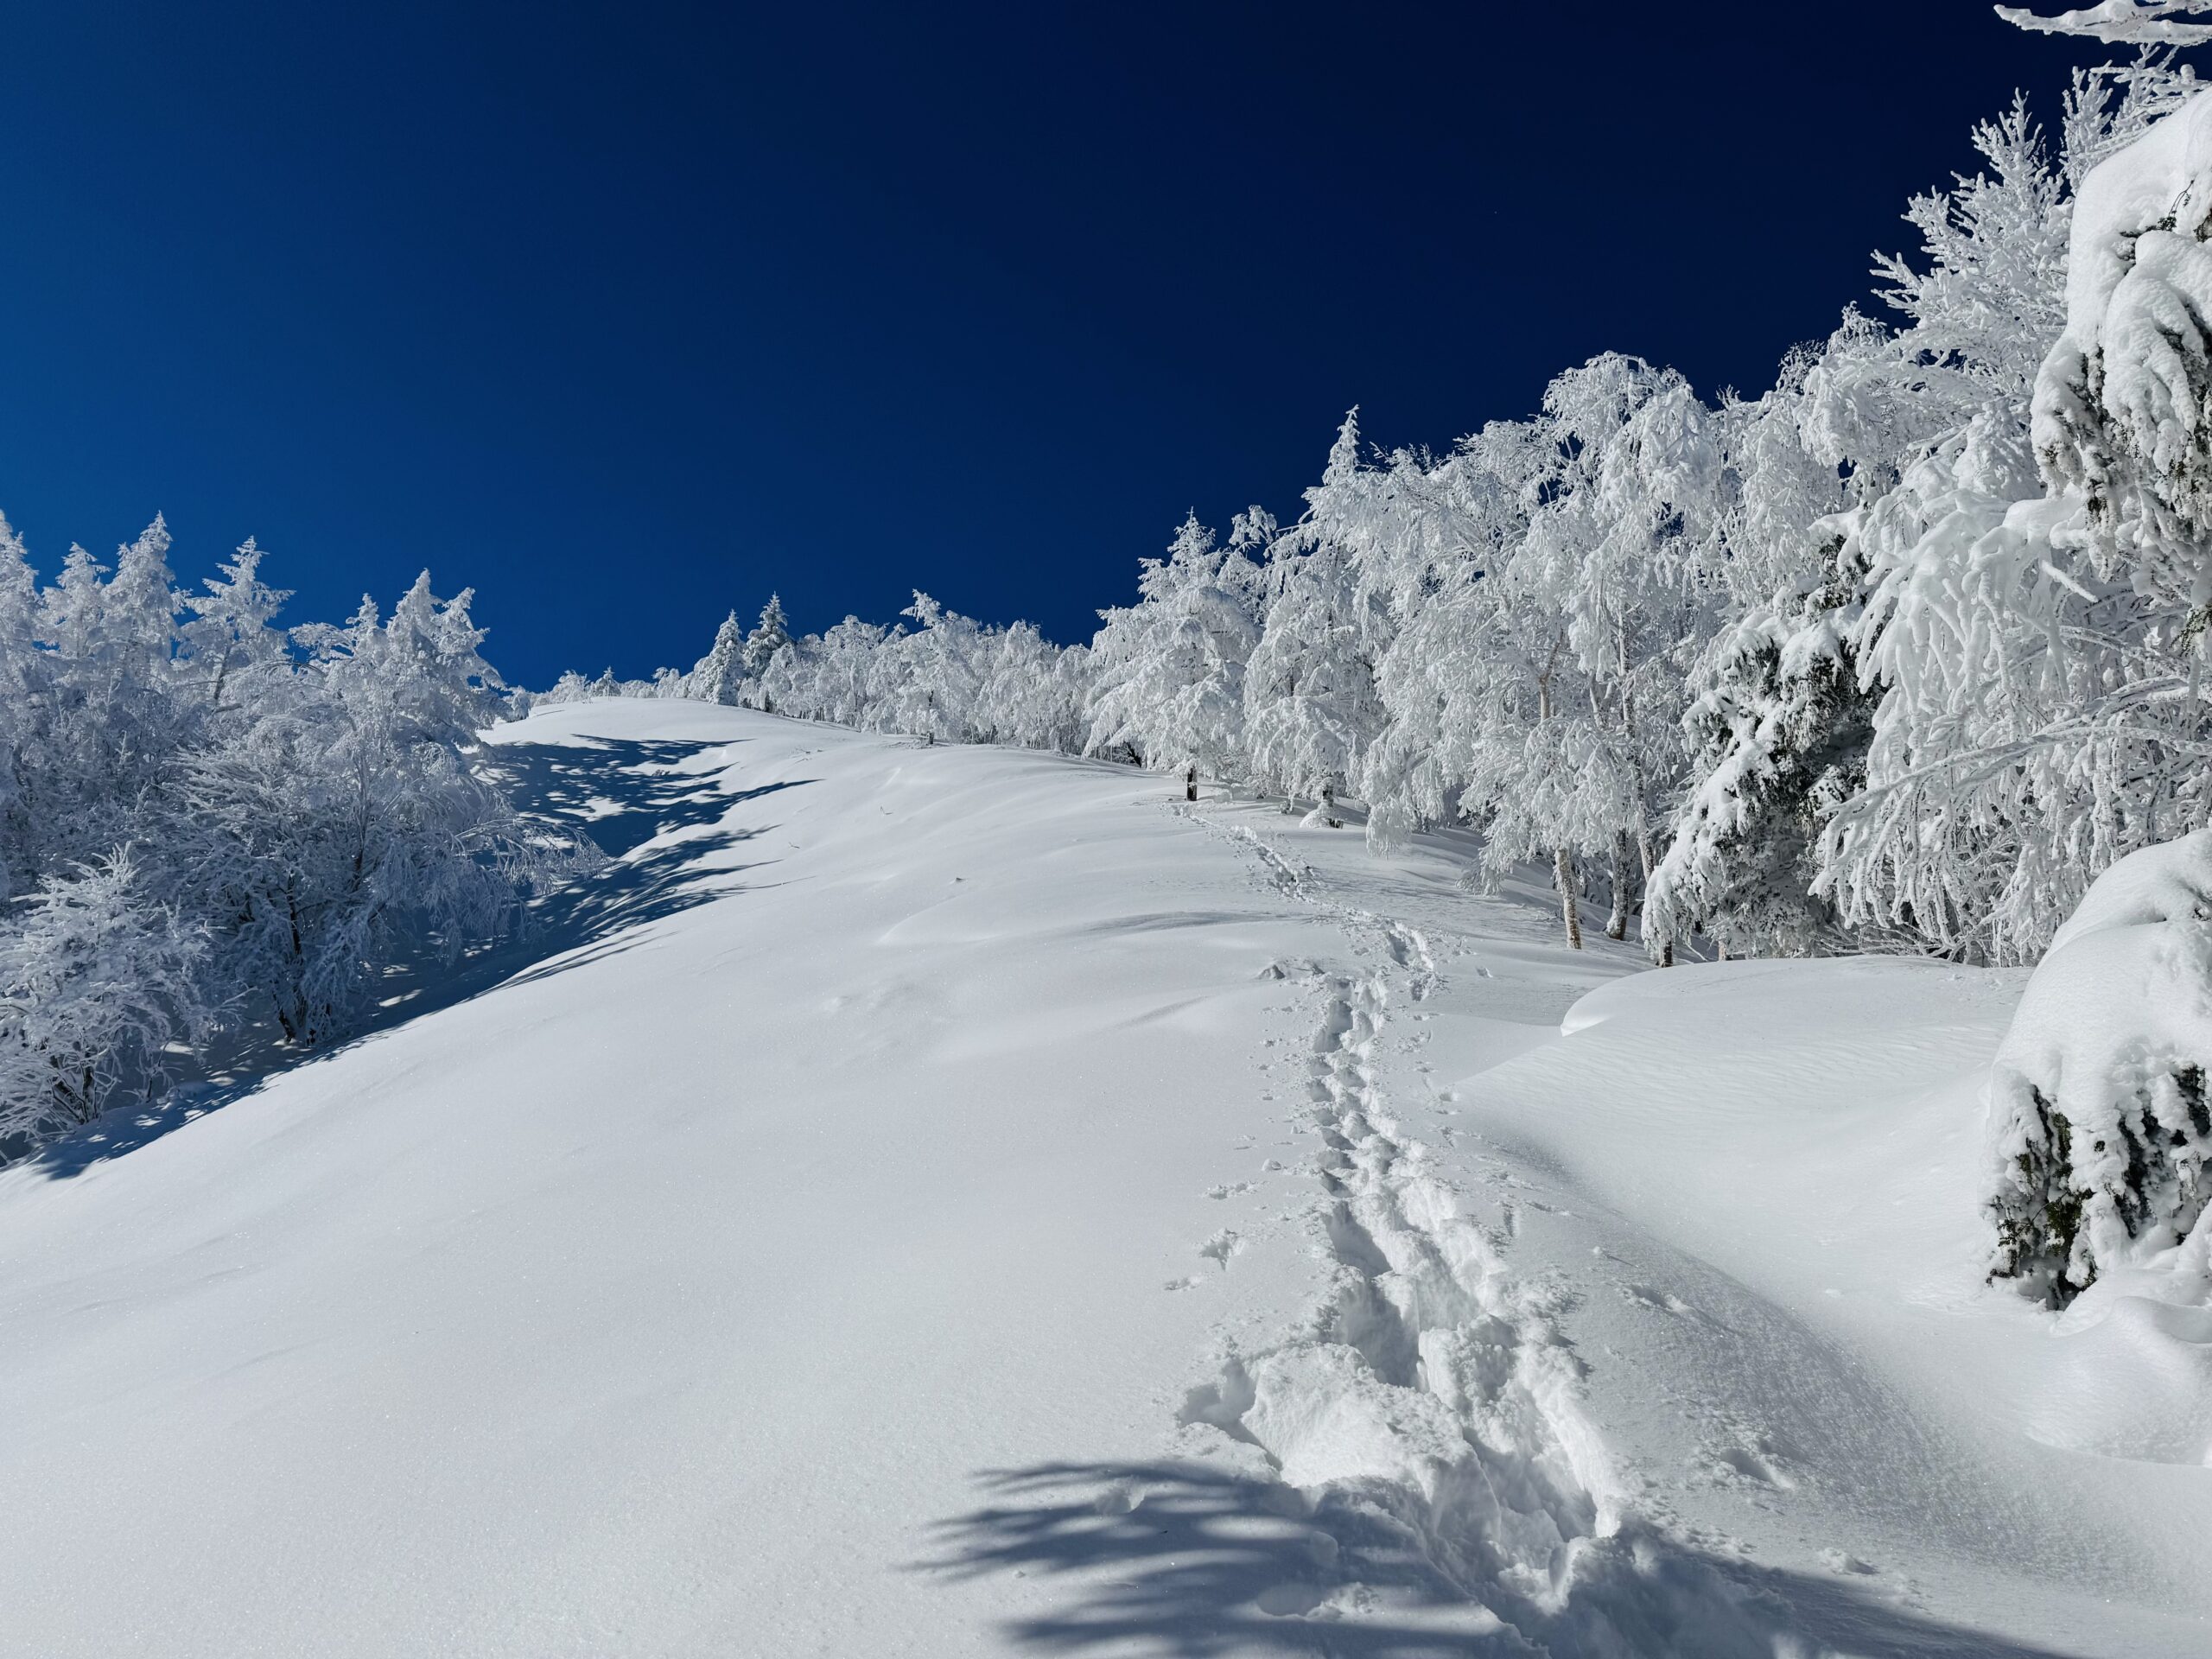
x=954 y=1201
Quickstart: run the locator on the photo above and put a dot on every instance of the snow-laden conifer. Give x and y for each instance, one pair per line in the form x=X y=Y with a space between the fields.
x=98 y=979
x=771 y=633
x=719 y=677
x=1169 y=670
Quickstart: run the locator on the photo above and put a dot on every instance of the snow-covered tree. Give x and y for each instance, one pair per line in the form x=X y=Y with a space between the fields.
x=1432 y=539
x=1777 y=721
x=719 y=677
x=830 y=678
x=341 y=822
x=1311 y=709
x=1780 y=727
x=1169 y=670
x=1034 y=693
x=22 y=678
x=1584 y=626
x=2100 y=1130
x=770 y=635
x=96 y=981
x=137 y=624
x=2032 y=636
x=935 y=676
x=208 y=823
x=233 y=636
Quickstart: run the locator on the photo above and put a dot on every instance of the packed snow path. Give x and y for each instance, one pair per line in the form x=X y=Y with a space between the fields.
x=948 y=1201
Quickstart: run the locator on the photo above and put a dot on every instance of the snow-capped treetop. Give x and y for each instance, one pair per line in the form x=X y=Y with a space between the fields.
x=69 y=612
x=232 y=626
x=936 y=673
x=1983 y=299
x=138 y=611
x=770 y=635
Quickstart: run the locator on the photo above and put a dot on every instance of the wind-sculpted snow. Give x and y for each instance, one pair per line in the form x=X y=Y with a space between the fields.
x=952 y=1201
x=1432 y=1393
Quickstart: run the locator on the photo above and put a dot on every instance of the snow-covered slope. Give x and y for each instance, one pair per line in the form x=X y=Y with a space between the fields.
x=946 y=1201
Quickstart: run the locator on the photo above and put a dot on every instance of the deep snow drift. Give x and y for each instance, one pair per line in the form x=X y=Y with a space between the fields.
x=947 y=1201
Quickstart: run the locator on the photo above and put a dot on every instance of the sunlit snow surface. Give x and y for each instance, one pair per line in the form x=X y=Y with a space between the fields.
x=940 y=1201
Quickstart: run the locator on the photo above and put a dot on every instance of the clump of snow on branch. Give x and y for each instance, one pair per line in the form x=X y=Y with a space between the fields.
x=2130 y=22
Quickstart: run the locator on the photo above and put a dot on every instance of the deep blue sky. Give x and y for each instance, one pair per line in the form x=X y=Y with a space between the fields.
x=628 y=314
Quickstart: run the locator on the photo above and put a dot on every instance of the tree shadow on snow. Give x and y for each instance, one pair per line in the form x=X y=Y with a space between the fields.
x=661 y=830
x=1191 y=1558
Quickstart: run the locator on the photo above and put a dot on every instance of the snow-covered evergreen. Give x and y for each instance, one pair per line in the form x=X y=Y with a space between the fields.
x=101 y=978
x=1168 y=672
x=210 y=823
x=719 y=677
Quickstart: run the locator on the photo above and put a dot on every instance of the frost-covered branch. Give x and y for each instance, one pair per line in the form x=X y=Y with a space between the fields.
x=2122 y=23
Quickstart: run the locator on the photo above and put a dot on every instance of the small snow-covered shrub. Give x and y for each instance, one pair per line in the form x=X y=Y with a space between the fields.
x=96 y=983
x=2100 y=1128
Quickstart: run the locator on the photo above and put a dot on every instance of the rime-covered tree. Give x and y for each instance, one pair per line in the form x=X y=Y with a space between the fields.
x=719 y=677
x=232 y=647
x=2031 y=636
x=770 y=635
x=1777 y=721
x=1033 y=693
x=208 y=823
x=1311 y=709
x=98 y=978
x=1169 y=670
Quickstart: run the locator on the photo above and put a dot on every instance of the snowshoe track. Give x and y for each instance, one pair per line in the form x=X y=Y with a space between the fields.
x=1431 y=1389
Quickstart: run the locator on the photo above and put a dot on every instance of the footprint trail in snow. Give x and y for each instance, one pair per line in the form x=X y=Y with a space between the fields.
x=1428 y=1398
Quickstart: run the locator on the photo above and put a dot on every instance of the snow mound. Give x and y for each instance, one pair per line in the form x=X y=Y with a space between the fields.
x=2132 y=1378
x=1721 y=986
x=2098 y=1121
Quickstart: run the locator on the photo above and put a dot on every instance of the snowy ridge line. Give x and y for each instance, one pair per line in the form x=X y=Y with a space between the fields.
x=1434 y=1390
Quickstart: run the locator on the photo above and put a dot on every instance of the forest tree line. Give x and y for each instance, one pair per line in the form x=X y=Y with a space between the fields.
x=1898 y=654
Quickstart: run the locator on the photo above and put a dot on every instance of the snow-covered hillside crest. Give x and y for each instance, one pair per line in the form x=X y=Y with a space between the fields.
x=943 y=1201
x=2100 y=1128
